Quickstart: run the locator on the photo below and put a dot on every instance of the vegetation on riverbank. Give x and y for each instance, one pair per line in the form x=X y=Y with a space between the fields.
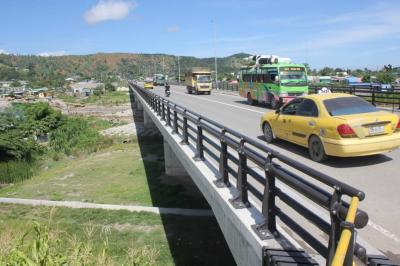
x=30 y=132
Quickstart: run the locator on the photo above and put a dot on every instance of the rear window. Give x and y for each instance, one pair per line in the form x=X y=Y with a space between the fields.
x=348 y=106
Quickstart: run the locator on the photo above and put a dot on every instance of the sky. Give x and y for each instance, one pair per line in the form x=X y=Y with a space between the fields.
x=341 y=33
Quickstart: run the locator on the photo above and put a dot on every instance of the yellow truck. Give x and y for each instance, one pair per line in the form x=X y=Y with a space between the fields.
x=198 y=80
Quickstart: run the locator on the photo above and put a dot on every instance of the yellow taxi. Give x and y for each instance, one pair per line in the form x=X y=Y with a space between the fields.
x=334 y=124
x=148 y=83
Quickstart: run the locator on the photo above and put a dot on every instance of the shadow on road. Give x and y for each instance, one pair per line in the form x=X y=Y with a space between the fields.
x=336 y=162
x=191 y=240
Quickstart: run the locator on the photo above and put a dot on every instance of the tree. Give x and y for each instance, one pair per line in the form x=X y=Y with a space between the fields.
x=15 y=83
x=385 y=77
x=366 y=78
x=109 y=87
x=326 y=71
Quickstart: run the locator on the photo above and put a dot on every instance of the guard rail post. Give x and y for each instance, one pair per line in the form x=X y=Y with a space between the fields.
x=162 y=110
x=158 y=106
x=373 y=95
x=348 y=261
x=334 y=233
x=199 y=142
x=175 y=130
x=168 y=115
x=185 y=140
x=268 y=227
x=242 y=200
x=223 y=180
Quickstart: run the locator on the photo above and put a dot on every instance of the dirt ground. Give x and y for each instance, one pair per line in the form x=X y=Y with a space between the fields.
x=121 y=112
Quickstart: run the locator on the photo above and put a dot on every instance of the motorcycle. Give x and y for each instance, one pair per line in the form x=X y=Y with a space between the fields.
x=167 y=90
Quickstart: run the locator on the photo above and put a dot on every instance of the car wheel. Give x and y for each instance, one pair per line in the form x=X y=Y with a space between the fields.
x=316 y=149
x=268 y=133
x=209 y=93
x=189 y=90
x=250 y=100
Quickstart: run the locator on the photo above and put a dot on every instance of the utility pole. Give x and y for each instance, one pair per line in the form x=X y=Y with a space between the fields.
x=179 y=71
x=215 y=51
x=163 y=66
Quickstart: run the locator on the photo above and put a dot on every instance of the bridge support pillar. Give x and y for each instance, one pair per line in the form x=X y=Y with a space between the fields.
x=139 y=106
x=148 y=122
x=173 y=166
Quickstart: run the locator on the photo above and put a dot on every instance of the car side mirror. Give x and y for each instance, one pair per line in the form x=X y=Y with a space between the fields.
x=277 y=111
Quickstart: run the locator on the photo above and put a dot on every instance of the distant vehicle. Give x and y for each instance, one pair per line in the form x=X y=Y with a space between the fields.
x=159 y=80
x=148 y=83
x=198 y=80
x=336 y=124
x=272 y=80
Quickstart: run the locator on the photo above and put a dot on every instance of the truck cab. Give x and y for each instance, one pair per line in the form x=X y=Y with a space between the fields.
x=198 y=80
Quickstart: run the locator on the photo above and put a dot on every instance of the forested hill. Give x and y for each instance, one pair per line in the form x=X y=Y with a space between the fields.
x=128 y=65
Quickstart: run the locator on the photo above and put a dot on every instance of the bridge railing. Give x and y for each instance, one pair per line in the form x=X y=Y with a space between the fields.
x=374 y=94
x=256 y=169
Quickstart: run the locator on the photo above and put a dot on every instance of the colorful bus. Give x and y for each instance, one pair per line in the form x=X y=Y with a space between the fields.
x=159 y=80
x=272 y=84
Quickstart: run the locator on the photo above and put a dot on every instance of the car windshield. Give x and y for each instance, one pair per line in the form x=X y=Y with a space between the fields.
x=348 y=106
x=292 y=73
x=203 y=78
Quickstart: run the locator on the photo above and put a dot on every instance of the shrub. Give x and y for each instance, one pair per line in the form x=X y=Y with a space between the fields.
x=16 y=171
x=74 y=135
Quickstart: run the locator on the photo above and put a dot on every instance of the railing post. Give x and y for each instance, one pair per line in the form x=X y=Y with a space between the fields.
x=223 y=180
x=266 y=229
x=373 y=95
x=199 y=142
x=185 y=140
x=158 y=106
x=334 y=234
x=162 y=110
x=348 y=261
x=242 y=201
x=175 y=130
x=168 y=115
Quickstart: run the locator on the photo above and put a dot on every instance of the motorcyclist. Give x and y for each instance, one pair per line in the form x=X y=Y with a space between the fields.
x=167 y=88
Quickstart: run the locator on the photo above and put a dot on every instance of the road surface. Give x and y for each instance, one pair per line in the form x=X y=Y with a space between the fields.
x=378 y=176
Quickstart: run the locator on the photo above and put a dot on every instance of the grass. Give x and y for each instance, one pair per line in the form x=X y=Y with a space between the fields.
x=114 y=237
x=109 y=98
x=114 y=175
x=17 y=171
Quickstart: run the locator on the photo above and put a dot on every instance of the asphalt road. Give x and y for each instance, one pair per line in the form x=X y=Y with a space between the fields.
x=378 y=176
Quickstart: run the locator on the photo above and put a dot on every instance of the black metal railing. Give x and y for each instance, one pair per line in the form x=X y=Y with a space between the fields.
x=374 y=94
x=256 y=168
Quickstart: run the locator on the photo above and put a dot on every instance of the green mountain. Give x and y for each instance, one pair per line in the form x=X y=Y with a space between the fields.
x=52 y=71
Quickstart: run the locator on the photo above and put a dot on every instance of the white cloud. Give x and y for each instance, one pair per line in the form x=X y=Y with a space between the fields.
x=3 y=52
x=173 y=29
x=108 y=10
x=53 y=53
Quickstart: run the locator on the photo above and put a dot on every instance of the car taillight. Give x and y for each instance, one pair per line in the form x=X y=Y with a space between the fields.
x=398 y=126
x=345 y=131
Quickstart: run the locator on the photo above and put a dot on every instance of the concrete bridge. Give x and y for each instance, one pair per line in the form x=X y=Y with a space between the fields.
x=272 y=209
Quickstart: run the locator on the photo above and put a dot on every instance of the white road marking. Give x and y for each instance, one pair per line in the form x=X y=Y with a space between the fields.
x=227 y=104
x=384 y=231
x=375 y=226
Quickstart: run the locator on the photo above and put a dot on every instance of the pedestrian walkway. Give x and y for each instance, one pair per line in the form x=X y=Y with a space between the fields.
x=87 y=205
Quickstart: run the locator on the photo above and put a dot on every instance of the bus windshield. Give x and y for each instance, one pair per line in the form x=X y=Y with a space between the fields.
x=292 y=73
x=203 y=78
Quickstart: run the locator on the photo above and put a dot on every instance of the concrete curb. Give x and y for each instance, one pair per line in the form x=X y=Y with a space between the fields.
x=87 y=205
